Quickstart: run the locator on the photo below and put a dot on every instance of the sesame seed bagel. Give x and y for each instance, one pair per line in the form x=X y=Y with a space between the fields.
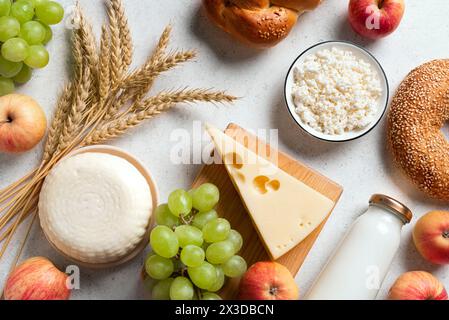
x=418 y=112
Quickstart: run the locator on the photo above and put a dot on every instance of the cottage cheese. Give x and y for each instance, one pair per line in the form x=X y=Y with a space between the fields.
x=95 y=207
x=336 y=92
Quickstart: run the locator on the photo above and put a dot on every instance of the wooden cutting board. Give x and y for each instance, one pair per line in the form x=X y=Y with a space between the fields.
x=232 y=208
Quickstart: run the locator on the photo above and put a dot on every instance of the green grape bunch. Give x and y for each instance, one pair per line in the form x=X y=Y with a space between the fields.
x=24 y=32
x=193 y=249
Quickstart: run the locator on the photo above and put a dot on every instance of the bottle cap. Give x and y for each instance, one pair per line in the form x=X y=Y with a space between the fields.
x=392 y=205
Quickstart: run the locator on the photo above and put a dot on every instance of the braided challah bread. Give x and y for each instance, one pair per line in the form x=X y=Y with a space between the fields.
x=261 y=23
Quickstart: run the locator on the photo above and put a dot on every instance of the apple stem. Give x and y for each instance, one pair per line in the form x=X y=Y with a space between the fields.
x=446 y=234
x=273 y=291
x=380 y=4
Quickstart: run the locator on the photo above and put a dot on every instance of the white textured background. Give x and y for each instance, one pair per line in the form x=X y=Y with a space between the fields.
x=363 y=167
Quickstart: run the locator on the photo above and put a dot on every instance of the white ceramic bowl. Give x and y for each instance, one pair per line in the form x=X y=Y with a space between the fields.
x=359 y=53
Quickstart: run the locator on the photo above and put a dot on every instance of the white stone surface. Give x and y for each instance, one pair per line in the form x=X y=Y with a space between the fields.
x=363 y=167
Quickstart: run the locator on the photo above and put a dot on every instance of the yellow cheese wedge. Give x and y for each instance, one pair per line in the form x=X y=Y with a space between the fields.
x=283 y=209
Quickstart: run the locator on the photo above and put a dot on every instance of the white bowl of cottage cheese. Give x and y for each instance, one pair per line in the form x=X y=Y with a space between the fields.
x=336 y=91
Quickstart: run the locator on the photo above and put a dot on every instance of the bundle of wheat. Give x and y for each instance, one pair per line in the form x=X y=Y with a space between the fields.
x=102 y=102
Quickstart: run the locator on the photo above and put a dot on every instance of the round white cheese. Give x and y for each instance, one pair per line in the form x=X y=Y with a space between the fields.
x=95 y=207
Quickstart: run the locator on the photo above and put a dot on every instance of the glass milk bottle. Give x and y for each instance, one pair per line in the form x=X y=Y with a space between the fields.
x=360 y=263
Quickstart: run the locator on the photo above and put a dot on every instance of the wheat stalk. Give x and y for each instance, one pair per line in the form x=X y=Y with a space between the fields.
x=54 y=133
x=101 y=103
x=188 y=96
x=126 y=44
x=89 y=44
x=152 y=59
x=152 y=107
x=115 y=59
x=77 y=53
x=142 y=77
x=76 y=114
x=104 y=71
x=160 y=48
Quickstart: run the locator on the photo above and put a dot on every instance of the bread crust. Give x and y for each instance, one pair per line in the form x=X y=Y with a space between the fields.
x=418 y=111
x=260 y=23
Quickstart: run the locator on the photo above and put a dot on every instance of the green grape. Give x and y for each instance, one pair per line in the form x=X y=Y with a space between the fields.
x=165 y=217
x=220 y=280
x=6 y=86
x=219 y=252
x=210 y=296
x=24 y=75
x=5 y=7
x=9 y=69
x=203 y=276
x=202 y=218
x=181 y=289
x=9 y=28
x=50 y=12
x=180 y=202
x=161 y=290
x=37 y=56
x=236 y=239
x=164 y=241
x=48 y=34
x=149 y=254
x=189 y=235
x=33 y=32
x=37 y=3
x=15 y=50
x=235 y=267
x=159 y=268
x=216 y=230
x=206 y=197
x=192 y=256
x=22 y=10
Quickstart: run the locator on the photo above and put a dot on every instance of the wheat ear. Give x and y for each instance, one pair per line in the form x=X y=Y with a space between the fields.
x=76 y=114
x=104 y=80
x=89 y=44
x=142 y=77
x=115 y=59
x=126 y=43
x=152 y=107
x=54 y=133
x=157 y=54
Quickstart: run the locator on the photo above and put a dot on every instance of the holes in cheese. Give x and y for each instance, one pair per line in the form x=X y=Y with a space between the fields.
x=263 y=184
x=234 y=159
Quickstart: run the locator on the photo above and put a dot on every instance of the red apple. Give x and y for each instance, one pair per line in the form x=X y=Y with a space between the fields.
x=268 y=281
x=431 y=237
x=375 y=19
x=22 y=123
x=36 y=279
x=417 y=285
